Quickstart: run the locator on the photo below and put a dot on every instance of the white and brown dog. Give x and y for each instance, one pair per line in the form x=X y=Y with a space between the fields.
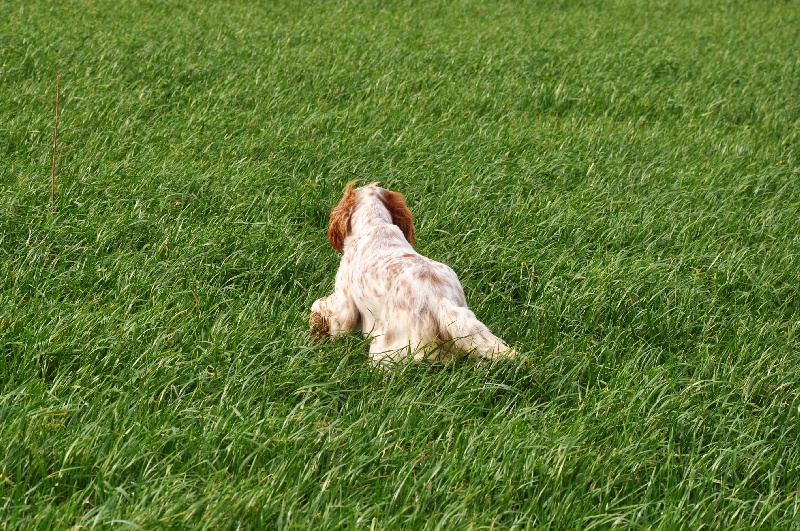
x=408 y=303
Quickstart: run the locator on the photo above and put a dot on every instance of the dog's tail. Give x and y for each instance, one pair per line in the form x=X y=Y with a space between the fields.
x=460 y=328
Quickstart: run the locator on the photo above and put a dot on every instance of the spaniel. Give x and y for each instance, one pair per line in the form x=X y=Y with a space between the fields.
x=407 y=303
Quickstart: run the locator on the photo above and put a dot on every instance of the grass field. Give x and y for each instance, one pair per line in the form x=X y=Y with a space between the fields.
x=616 y=184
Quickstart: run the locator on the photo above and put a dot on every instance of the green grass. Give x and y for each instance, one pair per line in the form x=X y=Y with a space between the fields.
x=616 y=184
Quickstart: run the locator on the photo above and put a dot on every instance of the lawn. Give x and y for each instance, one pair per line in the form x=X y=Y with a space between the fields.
x=617 y=185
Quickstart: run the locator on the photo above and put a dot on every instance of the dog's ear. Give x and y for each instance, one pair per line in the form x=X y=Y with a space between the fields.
x=339 y=225
x=401 y=216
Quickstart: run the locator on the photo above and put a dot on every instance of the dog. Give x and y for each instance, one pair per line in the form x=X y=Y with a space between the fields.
x=407 y=303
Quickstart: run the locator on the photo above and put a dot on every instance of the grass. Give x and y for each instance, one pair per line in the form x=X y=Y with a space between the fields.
x=616 y=183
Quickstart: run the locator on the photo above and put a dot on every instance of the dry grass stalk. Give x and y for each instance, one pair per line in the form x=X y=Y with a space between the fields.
x=55 y=145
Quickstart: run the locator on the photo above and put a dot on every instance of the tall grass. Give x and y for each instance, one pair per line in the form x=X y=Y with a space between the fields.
x=616 y=184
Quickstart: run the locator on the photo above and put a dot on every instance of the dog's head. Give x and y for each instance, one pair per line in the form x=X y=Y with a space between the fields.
x=393 y=202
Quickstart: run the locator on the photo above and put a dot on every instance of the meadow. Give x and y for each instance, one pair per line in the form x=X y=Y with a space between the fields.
x=617 y=185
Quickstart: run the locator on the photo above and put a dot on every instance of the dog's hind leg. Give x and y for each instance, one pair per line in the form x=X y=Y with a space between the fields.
x=460 y=327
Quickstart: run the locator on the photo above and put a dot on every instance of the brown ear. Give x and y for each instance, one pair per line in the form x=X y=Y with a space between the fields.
x=401 y=216
x=340 y=218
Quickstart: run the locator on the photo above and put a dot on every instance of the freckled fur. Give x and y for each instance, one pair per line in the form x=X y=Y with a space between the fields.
x=408 y=303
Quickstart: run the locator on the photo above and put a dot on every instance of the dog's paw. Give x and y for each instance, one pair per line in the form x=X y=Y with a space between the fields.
x=318 y=326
